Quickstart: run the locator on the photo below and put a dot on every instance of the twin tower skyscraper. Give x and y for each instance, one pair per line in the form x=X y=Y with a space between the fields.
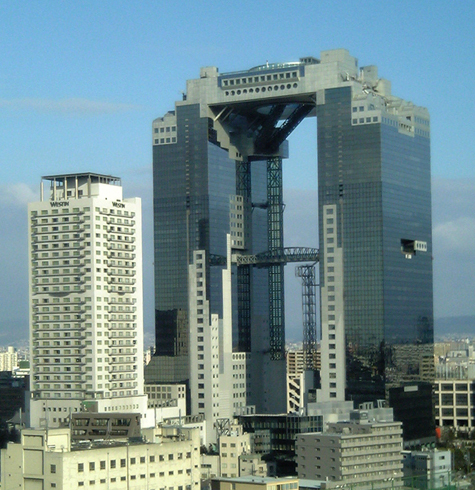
x=219 y=244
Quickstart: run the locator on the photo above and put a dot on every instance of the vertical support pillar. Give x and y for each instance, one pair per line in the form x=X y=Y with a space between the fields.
x=243 y=188
x=275 y=240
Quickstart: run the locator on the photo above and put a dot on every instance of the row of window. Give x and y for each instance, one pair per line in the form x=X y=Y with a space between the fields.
x=262 y=89
x=363 y=120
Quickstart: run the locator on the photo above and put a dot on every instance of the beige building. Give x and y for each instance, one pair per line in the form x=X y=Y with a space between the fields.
x=46 y=459
x=255 y=483
x=253 y=465
x=231 y=447
x=361 y=453
x=299 y=381
x=166 y=395
x=8 y=359
x=454 y=403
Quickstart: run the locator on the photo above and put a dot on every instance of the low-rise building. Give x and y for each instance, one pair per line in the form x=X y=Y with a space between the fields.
x=364 y=453
x=46 y=458
x=253 y=465
x=255 y=483
x=231 y=446
x=427 y=469
x=455 y=403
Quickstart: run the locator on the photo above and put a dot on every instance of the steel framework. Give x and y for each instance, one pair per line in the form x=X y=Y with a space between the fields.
x=275 y=242
x=243 y=188
x=309 y=310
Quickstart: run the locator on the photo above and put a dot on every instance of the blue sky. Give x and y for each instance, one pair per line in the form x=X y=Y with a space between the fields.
x=81 y=82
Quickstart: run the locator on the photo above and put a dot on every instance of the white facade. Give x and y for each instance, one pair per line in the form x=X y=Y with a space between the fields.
x=333 y=356
x=46 y=459
x=219 y=383
x=9 y=359
x=86 y=324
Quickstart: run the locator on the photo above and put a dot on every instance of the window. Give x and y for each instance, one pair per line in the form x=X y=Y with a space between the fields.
x=52 y=468
x=132 y=460
x=81 y=468
x=112 y=463
x=92 y=466
x=122 y=463
x=152 y=459
x=142 y=459
x=103 y=465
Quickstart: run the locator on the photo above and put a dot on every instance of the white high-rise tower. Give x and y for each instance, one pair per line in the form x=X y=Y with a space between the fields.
x=86 y=325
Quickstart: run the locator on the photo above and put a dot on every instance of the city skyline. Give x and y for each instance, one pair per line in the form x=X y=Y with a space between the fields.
x=79 y=116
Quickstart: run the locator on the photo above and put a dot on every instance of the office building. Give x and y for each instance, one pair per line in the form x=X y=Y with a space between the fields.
x=47 y=458
x=455 y=404
x=363 y=453
x=86 y=327
x=413 y=405
x=9 y=359
x=427 y=469
x=232 y=445
x=274 y=436
x=218 y=160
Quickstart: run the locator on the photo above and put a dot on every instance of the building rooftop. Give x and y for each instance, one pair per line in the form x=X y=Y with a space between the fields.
x=101 y=178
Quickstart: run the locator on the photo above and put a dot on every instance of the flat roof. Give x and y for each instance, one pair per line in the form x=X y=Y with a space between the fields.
x=92 y=175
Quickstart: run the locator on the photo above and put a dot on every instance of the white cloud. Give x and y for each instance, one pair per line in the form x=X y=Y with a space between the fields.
x=18 y=195
x=71 y=106
x=456 y=235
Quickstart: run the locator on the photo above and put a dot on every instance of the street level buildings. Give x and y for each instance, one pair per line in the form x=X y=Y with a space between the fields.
x=86 y=326
x=47 y=458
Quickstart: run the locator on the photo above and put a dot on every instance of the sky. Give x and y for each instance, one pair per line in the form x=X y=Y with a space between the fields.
x=81 y=82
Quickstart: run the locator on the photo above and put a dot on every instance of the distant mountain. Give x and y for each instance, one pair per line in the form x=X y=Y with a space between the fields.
x=454 y=326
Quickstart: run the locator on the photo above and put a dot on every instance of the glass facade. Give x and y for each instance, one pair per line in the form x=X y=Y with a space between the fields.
x=374 y=222
x=378 y=178
x=194 y=180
